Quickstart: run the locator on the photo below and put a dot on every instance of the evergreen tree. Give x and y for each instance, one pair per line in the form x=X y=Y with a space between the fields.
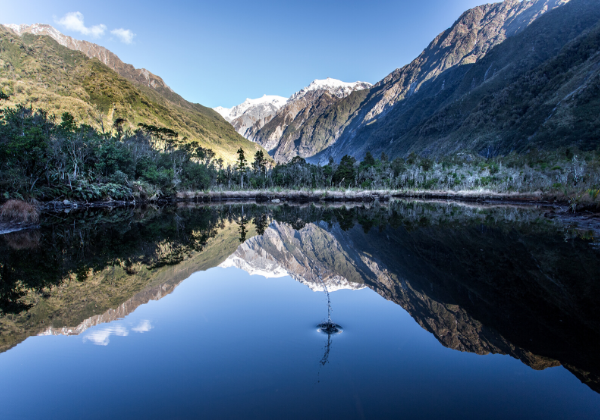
x=242 y=165
x=260 y=163
x=369 y=160
x=345 y=172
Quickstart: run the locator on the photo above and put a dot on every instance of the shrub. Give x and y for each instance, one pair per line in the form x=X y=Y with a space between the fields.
x=19 y=211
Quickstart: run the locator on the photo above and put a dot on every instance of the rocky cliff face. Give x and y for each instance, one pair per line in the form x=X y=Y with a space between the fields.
x=282 y=137
x=92 y=50
x=471 y=37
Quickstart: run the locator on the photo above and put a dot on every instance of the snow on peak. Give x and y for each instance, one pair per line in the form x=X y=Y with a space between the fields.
x=267 y=99
x=272 y=102
x=265 y=268
x=269 y=104
x=333 y=86
x=38 y=29
x=223 y=111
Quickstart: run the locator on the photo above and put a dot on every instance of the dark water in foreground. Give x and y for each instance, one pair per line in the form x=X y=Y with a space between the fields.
x=447 y=311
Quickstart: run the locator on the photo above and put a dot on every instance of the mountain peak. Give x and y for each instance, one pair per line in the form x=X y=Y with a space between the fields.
x=265 y=104
x=334 y=86
x=265 y=99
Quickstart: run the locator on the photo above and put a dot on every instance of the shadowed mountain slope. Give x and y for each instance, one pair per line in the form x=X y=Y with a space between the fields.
x=506 y=76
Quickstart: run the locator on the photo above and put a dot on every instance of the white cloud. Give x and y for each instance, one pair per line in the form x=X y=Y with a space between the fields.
x=144 y=326
x=125 y=35
x=74 y=22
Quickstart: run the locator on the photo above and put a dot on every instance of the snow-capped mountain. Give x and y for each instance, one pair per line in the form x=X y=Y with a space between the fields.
x=408 y=111
x=333 y=86
x=252 y=113
x=266 y=102
x=249 y=117
x=308 y=104
x=223 y=111
x=39 y=29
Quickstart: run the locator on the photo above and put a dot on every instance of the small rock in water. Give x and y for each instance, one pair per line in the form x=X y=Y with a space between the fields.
x=277 y=200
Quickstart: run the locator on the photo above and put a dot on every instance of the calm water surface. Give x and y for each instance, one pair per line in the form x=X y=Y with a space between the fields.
x=447 y=310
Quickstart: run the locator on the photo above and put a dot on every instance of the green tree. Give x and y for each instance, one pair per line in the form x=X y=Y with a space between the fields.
x=298 y=160
x=369 y=160
x=68 y=122
x=242 y=165
x=260 y=163
x=346 y=172
x=261 y=221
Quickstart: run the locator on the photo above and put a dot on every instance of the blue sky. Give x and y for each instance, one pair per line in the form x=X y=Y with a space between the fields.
x=220 y=53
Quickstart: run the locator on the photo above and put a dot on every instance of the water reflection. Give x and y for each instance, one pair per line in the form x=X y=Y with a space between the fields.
x=144 y=326
x=101 y=336
x=481 y=279
x=329 y=330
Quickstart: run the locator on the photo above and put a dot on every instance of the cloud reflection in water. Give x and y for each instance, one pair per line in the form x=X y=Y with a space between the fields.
x=101 y=337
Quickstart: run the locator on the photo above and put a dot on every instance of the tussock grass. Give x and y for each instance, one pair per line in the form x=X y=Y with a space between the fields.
x=19 y=211
x=285 y=194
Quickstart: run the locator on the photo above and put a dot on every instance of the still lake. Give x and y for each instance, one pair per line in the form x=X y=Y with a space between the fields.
x=447 y=310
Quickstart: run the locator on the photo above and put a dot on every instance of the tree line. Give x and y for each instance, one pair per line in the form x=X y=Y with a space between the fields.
x=47 y=158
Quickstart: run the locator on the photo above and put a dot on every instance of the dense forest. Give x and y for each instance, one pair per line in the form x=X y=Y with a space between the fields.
x=46 y=158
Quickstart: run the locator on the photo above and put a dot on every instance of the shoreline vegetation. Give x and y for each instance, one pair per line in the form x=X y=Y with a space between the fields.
x=54 y=165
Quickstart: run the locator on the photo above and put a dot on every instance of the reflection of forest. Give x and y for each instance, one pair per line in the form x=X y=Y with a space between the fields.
x=481 y=279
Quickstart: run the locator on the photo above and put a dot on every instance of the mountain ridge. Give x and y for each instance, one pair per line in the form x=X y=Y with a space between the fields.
x=92 y=50
x=249 y=117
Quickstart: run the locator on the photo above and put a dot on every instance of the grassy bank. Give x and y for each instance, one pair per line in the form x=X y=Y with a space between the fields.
x=575 y=201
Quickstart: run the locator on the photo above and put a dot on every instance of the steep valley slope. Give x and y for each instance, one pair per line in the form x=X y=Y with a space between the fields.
x=505 y=77
x=537 y=88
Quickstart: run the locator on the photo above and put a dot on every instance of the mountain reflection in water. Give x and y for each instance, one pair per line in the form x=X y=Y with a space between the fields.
x=481 y=279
